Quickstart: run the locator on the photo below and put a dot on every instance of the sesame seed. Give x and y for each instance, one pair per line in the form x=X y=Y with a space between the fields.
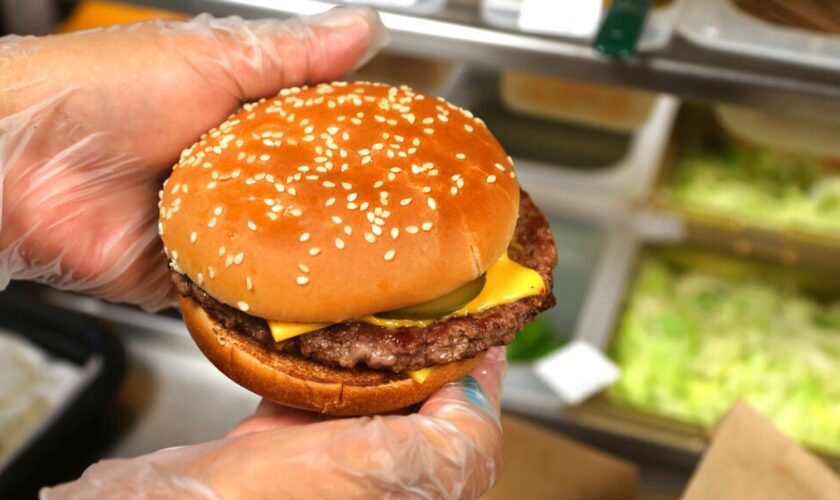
x=370 y=238
x=212 y=222
x=265 y=157
x=228 y=260
x=303 y=267
x=248 y=283
x=389 y=255
x=491 y=179
x=200 y=279
x=252 y=226
x=376 y=230
x=239 y=258
x=411 y=230
x=460 y=156
x=395 y=232
x=243 y=306
x=314 y=251
x=218 y=211
x=302 y=280
x=348 y=230
x=211 y=272
x=330 y=202
x=304 y=237
x=405 y=201
x=339 y=243
x=500 y=167
x=193 y=237
x=431 y=202
x=468 y=127
x=426 y=226
x=336 y=219
x=296 y=212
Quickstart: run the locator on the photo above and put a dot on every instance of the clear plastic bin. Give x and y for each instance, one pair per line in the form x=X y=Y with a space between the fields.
x=578 y=160
x=579 y=20
x=424 y=75
x=753 y=199
x=721 y=25
x=602 y=106
x=794 y=134
x=584 y=246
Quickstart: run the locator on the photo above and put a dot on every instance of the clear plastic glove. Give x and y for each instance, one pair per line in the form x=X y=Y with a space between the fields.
x=91 y=123
x=450 y=449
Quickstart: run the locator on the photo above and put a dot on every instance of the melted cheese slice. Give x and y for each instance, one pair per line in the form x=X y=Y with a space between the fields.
x=420 y=375
x=507 y=281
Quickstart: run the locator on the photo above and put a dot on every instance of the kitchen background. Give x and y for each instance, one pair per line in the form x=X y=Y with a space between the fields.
x=694 y=193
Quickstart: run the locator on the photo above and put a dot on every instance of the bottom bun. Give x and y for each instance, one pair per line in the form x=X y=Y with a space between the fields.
x=294 y=381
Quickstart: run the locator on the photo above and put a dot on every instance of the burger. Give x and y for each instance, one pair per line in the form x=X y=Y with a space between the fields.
x=348 y=248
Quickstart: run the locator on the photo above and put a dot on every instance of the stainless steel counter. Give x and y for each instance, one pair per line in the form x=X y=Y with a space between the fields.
x=458 y=33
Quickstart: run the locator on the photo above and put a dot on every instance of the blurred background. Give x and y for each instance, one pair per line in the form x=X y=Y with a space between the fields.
x=688 y=155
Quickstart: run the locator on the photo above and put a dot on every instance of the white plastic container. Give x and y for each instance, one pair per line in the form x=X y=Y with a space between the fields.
x=424 y=75
x=630 y=179
x=720 y=25
x=575 y=20
x=793 y=134
x=602 y=106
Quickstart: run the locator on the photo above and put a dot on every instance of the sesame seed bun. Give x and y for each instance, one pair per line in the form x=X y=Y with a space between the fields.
x=294 y=381
x=337 y=201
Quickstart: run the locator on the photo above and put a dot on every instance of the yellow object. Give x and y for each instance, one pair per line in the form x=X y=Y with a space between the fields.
x=89 y=15
x=282 y=330
x=420 y=375
x=507 y=281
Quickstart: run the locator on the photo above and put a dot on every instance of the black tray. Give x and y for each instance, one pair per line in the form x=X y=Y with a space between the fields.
x=79 y=341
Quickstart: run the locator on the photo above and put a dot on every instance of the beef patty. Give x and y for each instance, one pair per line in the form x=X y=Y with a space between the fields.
x=410 y=348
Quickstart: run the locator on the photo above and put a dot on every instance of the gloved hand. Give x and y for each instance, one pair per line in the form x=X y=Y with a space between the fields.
x=92 y=122
x=450 y=449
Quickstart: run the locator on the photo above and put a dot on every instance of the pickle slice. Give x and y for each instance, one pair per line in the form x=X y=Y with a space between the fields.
x=441 y=306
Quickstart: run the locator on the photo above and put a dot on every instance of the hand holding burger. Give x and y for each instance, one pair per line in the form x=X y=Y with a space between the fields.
x=350 y=248
x=102 y=129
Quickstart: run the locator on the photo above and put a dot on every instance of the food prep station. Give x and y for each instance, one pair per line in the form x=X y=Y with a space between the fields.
x=700 y=181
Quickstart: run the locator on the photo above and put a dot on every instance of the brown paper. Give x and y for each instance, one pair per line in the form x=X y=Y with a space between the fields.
x=540 y=464
x=749 y=458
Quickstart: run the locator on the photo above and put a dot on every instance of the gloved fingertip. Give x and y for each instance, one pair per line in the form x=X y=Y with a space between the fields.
x=348 y=27
x=342 y=17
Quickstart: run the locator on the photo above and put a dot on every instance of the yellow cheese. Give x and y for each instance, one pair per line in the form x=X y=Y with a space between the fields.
x=282 y=330
x=420 y=375
x=507 y=281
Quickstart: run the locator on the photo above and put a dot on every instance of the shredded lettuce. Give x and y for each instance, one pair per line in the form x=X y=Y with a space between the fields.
x=534 y=341
x=757 y=185
x=690 y=344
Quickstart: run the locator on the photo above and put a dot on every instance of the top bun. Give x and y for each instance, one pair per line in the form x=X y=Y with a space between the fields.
x=337 y=201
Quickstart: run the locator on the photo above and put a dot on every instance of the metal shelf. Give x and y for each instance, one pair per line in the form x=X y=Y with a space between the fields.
x=458 y=33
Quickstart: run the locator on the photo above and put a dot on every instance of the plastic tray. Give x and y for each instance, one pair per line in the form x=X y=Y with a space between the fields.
x=592 y=253
x=600 y=420
x=720 y=25
x=587 y=104
x=424 y=75
x=726 y=232
x=602 y=414
x=99 y=358
x=578 y=161
x=507 y=14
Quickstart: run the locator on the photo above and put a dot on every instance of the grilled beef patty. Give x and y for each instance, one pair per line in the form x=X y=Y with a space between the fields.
x=410 y=348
